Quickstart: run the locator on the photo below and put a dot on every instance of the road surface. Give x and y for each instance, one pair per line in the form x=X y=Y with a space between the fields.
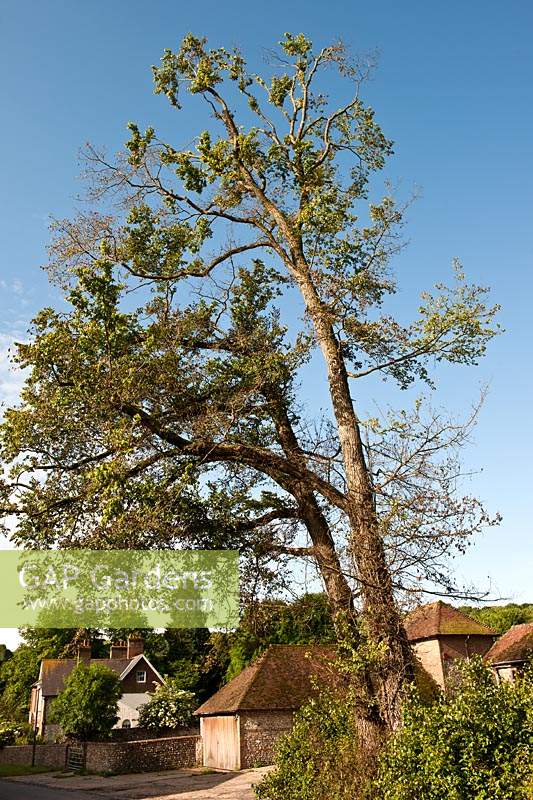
x=9 y=790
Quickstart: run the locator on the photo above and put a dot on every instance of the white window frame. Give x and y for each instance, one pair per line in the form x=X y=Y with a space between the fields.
x=140 y=672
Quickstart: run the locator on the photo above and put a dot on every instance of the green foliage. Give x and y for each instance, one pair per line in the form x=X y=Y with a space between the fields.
x=87 y=707
x=140 y=413
x=21 y=670
x=163 y=404
x=17 y=675
x=501 y=618
x=170 y=706
x=475 y=742
x=319 y=758
x=13 y=733
x=307 y=620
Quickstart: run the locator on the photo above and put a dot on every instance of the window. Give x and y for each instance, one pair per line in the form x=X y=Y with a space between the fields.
x=126 y=723
x=141 y=676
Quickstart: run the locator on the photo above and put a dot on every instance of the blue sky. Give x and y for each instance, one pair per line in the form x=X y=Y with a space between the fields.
x=454 y=91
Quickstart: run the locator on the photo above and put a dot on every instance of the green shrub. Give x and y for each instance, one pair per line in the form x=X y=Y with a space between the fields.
x=87 y=707
x=474 y=743
x=13 y=733
x=319 y=758
x=170 y=706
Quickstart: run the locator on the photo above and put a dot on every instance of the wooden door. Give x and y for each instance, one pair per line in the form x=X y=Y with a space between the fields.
x=221 y=742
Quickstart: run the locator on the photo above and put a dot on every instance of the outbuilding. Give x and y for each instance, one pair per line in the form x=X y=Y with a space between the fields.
x=242 y=722
x=512 y=651
x=441 y=634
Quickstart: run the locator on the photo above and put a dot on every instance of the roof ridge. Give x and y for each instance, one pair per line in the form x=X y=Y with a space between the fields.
x=513 y=645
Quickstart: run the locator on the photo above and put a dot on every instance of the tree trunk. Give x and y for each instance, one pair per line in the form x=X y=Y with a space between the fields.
x=339 y=594
x=379 y=607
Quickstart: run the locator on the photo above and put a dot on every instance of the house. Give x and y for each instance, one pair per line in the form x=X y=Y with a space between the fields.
x=127 y=659
x=242 y=722
x=509 y=654
x=440 y=634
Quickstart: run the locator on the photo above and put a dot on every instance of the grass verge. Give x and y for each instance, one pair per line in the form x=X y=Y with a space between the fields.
x=12 y=770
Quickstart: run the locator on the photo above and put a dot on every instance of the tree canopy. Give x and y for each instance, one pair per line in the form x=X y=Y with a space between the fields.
x=87 y=707
x=164 y=407
x=503 y=617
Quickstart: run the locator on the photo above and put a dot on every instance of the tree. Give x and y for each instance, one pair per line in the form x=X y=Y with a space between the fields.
x=177 y=420
x=170 y=706
x=87 y=707
x=305 y=621
x=501 y=618
x=319 y=758
x=21 y=670
x=18 y=674
x=472 y=742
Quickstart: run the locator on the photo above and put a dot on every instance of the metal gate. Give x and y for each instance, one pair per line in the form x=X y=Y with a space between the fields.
x=75 y=756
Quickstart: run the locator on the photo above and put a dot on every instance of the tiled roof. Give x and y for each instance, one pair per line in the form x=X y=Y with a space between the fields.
x=55 y=671
x=281 y=678
x=515 y=645
x=441 y=619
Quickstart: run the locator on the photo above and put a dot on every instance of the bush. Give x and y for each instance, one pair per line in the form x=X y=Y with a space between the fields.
x=319 y=758
x=87 y=707
x=476 y=742
x=13 y=733
x=9 y=732
x=170 y=706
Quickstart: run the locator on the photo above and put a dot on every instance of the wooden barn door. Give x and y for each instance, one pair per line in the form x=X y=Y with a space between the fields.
x=221 y=742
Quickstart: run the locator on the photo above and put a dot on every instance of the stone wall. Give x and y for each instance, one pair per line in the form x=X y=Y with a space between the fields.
x=134 y=734
x=260 y=731
x=46 y=755
x=146 y=755
x=138 y=756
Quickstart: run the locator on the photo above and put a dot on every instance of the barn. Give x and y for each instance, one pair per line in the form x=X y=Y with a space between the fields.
x=242 y=722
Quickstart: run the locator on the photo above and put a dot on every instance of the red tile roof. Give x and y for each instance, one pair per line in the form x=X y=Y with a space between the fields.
x=441 y=619
x=514 y=646
x=281 y=678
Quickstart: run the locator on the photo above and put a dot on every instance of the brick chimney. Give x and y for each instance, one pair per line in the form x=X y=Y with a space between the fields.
x=84 y=651
x=118 y=650
x=135 y=646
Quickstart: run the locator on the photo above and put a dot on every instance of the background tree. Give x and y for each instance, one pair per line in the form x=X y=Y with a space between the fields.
x=21 y=670
x=503 y=617
x=18 y=674
x=307 y=620
x=87 y=707
x=177 y=420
